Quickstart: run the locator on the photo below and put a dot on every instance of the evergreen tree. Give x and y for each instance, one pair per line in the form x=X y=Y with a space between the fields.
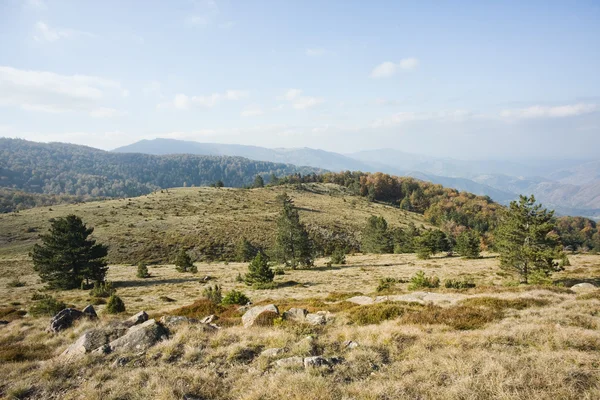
x=425 y=245
x=468 y=244
x=184 y=263
x=375 y=236
x=404 y=239
x=273 y=180
x=259 y=271
x=245 y=251
x=258 y=182
x=293 y=246
x=142 y=271
x=66 y=257
x=525 y=240
x=115 y=305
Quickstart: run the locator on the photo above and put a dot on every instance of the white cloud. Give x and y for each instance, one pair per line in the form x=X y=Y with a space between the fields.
x=106 y=112
x=315 y=52
x=569 y=110
x=183 y=101
x=45 y=33
x=36 y=5
x=388 y=69
x=299 y=102
x=51 y=92
x=252 y=111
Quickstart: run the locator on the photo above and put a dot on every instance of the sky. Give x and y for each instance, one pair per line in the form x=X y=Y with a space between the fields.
x=461 y=79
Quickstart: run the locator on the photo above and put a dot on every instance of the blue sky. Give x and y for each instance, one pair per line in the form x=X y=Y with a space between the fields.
x=463 y=79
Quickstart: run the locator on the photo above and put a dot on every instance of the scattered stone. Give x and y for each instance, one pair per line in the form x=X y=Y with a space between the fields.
x=295 y=314
x=317 y=361
x=260 y=316
x=174 y=320
x=205 y=279
x=64 y=319
x=120 y=362
x=290 y=362
x=209 y=320
x=350 y=344
x=361 y=300
x=274 y=352
x=137 y=319
x=140 y=337
x=92 y=340
x=316 y=319
x=90 y=312
x=583 y=287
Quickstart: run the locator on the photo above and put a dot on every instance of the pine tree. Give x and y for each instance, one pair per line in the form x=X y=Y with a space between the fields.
x=525 y=240
x=293 y=246
x=375 y=236
x=404 y=239
x=183 y=263
x=142 y=271
x=66 y=257
x=259 y=271
x=468 y=244
x=258 y=182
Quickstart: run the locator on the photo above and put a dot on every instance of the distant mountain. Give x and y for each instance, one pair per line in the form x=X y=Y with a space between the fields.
x=298 y=156
x=66 y=169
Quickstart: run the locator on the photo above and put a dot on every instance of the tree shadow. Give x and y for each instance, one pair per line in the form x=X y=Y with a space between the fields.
x=287 y=284
x=568 y=282
x=151 y=282
x=308 y=209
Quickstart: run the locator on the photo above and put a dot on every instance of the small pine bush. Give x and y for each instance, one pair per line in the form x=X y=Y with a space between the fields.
x=183 y=263
x=459 y=284
x=259 y=271
x=386 y=283
x=419 y=281
x=338 y=256
x=102 y=289
x=213 y=293
x=142 y=271
x=115 y=305
x=235 y=297
x=46 y=306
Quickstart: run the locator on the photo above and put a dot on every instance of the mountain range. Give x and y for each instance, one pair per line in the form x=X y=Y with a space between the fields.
x=571 y=187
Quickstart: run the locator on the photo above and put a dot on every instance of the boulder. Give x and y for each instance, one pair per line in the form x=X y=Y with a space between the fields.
x=173 y=320
x=583 y=287
x=140 y=337
x=317 y=361
x=290 y=362
x=274 y=352
x=90 y=312
x=361 y=300
x=92 y=340
x=64 y=319
x=316 y=319
x=295 y=314
x=260 y=316
x=136 y=319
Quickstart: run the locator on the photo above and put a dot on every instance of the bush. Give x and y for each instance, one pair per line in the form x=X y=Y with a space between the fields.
x=115 y=305
x=279 y=271
x=47 y=306
x=235 y=297
x=458 y=317
x=419 y=280
x=466 y=283
x=338 y=256
x=386 y=283
x=539 y=277
x=213 y=293
x=142 y=271
x=183 y=263
x=377 y=313
x=259 y=271
x=102 y=289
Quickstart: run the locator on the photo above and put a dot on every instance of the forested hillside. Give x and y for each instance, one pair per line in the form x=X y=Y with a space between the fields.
x=58 y=169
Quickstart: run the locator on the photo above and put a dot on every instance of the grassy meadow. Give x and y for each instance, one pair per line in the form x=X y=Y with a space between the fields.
x=497 y=340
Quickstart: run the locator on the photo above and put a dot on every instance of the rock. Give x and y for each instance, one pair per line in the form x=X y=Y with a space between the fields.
x=173 y=320
x=120 y=362
x=90 y=312
x=274 y=352
x=138 y=318
x=92 y=340
x=64 y=319
x=317 y=361
x=361 y=300
x=316 y=319
x=140 y=337
x=349 y=344
x=583 y=287
x=295 y=314
x=290 y=362
x=260 y=316
x=206 y=278
x=209 y=320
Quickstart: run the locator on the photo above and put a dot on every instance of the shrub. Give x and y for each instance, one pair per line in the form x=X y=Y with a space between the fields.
x=458 y=317
x=142 y=271
x=199 y=309
x=465 y=283
x=235 y=297
x=259 y=271
x=115 y=305
x=539 y=277
x=183 y=262
x=419 y=280
x=47 y=306
x=338 y=256
x=279 y=271
x=377 y=313
x=213 y=293
x=102 y=289
x=502 y=304
x=385 y=284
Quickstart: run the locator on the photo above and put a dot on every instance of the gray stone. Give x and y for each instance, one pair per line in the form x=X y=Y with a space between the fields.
x=260 y=315
x=317 y=361
x=350 y=344
x=140 y=337
x=274 y=352
x=64 y=319
x=92 y=340
x=361 y=300
x=174 y=320
x=136 y=319
x=316 y=319
x=209 y=320
x=90 y=312
x=120 y=362
x=583 y=287
x=295 y=314
x=290 y=362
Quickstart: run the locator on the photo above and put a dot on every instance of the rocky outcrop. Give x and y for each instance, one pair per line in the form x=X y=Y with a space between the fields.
x=295 y=314
x=139 y=337
x=290 y=362
x=260 y=316
x=90 y=312
x=136 y=319
x=92 y=340
x=273 y=352
x=173 y=321
x=583 y=287
x=64 y=319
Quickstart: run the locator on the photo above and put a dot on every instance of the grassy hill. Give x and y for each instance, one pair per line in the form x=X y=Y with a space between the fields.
x=208 y=221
